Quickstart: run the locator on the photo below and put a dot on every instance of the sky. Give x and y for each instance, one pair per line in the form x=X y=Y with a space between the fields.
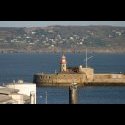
x=64 y=23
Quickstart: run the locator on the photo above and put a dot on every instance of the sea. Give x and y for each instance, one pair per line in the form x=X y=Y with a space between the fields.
x=16 y=66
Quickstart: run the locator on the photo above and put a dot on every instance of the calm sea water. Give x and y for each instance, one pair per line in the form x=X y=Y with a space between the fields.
x=24 y=66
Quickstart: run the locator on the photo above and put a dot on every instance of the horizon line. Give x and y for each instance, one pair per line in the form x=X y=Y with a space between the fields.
x=56 y=25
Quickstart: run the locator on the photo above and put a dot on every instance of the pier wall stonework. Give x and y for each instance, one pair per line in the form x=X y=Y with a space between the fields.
x=80 y=79
x=59 y=78
x=109 y=76
x=89 y=73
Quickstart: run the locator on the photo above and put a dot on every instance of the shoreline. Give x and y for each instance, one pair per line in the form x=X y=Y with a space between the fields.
x=51 y=52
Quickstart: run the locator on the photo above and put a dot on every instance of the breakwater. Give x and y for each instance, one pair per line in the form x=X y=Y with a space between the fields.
x=80 y=79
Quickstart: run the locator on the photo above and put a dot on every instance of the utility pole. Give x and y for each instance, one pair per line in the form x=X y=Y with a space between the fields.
x=46 y=98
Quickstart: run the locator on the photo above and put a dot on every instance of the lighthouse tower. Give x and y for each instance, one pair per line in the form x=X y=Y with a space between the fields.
x=63 y=64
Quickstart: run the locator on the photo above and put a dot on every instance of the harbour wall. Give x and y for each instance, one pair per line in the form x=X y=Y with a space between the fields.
x=80 y=79
x=59 y=79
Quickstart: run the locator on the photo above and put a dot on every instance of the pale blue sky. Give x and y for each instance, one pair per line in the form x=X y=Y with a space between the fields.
x=48 y=23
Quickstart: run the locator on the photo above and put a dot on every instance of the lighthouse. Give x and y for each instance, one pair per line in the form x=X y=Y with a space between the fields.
x=63 y=64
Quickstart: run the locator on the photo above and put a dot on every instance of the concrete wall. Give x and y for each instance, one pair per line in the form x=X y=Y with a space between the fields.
x=60 y=78
x=18 y=98
x=24 y=88
x=89 y=73
x=109 y=76
x=109 y=79
x=81 y=79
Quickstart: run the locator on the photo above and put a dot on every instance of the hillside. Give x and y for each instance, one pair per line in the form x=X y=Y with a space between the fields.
x=58 y=38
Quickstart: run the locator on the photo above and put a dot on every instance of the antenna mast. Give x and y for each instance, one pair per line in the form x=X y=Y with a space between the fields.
x=86 y=58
